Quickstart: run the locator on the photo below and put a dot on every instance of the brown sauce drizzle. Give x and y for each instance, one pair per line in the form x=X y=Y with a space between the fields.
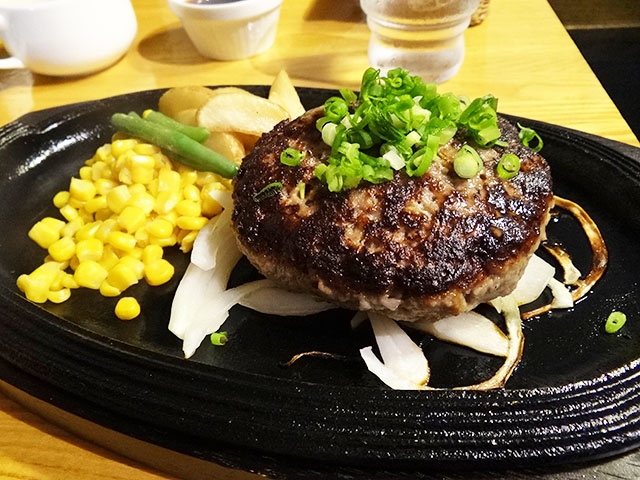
x=599 y=260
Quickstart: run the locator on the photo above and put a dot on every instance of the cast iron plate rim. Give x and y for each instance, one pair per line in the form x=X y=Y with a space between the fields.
x=93 y=339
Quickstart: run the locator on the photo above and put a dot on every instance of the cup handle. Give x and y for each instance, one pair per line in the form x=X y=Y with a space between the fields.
x=9 y=62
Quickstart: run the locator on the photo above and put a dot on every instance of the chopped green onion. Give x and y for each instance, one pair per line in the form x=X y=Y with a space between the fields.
x=219 y=338
x=527 y=134
x=395 y=125
x=467 y=163
x=301 y=190
x=267 y=191
x=615 y=322
x=508 y=166
x=291 y=157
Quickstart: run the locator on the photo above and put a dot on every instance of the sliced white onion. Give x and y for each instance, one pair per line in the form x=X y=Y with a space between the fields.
x=358 y=318
x=274 y=300
x=535 y=278
x=223 y=197
x=213 y=240
x=514 y=353
x=384 y=373
x=562 y=297
x=469 y=329
x=399 y=353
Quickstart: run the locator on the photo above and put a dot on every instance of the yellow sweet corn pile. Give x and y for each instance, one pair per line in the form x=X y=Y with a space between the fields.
x=128 y=203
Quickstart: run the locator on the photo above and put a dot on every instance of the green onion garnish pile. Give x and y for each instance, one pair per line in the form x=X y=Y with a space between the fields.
x=399 y=122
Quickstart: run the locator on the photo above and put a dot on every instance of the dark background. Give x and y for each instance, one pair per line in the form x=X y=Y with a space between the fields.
x=607 y=32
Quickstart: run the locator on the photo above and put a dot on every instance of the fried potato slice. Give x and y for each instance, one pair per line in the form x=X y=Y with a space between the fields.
x=283 y=93
x=247 y=140
x=178 y=99
x=240 y=112
x=227 y=145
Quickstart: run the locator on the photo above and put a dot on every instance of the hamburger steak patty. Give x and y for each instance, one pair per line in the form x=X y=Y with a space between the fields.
x=411 y=248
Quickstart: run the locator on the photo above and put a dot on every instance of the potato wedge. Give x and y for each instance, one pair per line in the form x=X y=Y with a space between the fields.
x=284 y=94
x=187 y=116
x=248 y=141
x=227 y=145
x=177 y=99
x=240 y=112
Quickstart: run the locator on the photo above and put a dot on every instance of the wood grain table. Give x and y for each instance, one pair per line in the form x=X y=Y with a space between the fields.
x=520 y=53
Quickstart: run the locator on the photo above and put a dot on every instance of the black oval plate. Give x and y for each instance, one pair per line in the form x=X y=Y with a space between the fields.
x=573 y=398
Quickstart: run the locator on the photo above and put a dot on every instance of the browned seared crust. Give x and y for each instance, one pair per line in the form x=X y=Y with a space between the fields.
x=412 y=247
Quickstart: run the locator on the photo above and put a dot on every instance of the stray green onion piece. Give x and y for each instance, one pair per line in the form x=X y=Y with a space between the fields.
x=508 y=166
x=526 y=135
x=467 y=163
x=615 y=322
x=301 y=190
x=267 y=191
x=219 y=338
x=291 y=157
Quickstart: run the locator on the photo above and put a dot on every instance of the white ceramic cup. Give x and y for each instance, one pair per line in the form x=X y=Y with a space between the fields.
x=65 y=37
x=229 y=29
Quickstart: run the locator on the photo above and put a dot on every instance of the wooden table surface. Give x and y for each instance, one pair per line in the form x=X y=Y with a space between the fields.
x=520 y=53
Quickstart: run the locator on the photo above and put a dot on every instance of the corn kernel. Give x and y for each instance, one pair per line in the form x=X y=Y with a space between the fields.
x=118 y=147
x=109 y=257
x=136 y=253
x=188 y=208
x=168 y=180
x=47 y=272
x=70 y=229
x=127 y=308
x=85 y=173
x=142 y=175
x=96 y=203
x=90 y=274
x=108 y=290
x=104 y=153
x=60 y=199
x=106 y=227
x=158 y=272
x=146 y=149
x=171 y=217
x=133 y=263
x=69 y=282
x=59 y=296
x=160 y=228
x=35 y=289
x=122 y=277
x=143 y=200
x=103 y=214
x=57 y=282
x=210 y=207
x=186 y=243
x=191 y=192
x=75 y=203
x=191 y=223
x=90 y=249
x=104 y=186
x=124 y=176
x=117 y=198
x=62 y=249
x=166 y=200
x=131 y=218
x=162 y=160
x=151 y=253
x=44 y=235
x=81 y=189
x=121 y=240
x=188 y=177
x=169 y=241
x=69 y=213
